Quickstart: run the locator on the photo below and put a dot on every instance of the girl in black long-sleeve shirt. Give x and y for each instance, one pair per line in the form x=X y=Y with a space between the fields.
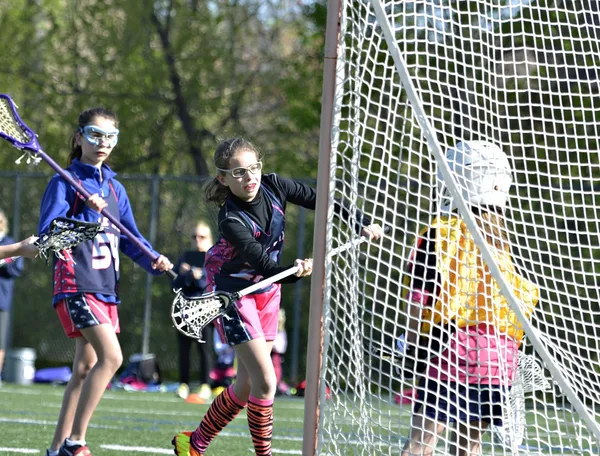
x=251 y=233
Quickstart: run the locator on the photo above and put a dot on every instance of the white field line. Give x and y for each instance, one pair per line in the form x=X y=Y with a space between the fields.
x=278 y=451
x=224 y=432
x=130 y=396
x=192 y=414
x=136 y=449
x=150 y=413
x=49 y=423
x=133 y=449
x=198 y=415
x=139 y=397
x=18 y=450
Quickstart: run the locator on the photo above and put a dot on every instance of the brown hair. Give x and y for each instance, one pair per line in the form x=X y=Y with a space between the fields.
x=491 y=222
x=214 y=191
x=85 y=119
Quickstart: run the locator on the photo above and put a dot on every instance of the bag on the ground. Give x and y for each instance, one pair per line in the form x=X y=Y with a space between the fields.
x=143 y=368
x=56 y=375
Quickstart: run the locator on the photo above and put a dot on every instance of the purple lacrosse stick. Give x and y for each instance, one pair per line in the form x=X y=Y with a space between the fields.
x=16 y=132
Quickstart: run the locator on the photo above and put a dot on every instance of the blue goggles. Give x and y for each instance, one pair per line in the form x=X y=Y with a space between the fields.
x=95 y=135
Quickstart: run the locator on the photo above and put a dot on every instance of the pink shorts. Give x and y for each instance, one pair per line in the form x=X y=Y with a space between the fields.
x=84 y=311
x=252 y=317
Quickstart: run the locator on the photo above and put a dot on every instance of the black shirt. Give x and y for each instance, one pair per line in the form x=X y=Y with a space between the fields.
x=259 y=210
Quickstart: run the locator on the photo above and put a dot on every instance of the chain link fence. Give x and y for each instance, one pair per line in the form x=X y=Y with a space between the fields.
x=166 y=209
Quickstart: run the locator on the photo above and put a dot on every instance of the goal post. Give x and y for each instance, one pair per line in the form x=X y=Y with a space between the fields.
x=321 y=232
x=407 y=81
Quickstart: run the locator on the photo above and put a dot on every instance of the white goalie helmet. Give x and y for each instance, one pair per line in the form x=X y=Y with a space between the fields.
x=482 y=172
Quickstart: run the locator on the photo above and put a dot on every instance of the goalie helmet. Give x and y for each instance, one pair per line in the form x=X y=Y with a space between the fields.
x=482 y=172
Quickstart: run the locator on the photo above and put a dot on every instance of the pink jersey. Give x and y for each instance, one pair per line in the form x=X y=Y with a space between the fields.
x=477 y=354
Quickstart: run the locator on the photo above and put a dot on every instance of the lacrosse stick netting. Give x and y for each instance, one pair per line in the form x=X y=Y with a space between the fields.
x=12 y=129
x=65 y=234
x=530 y=378
x=191 y=315
x=62 y=235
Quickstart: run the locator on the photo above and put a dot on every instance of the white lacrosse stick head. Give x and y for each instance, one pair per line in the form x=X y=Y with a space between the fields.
x=64 y=234
x=191 y=314
x=482 y=172
x=529 y=378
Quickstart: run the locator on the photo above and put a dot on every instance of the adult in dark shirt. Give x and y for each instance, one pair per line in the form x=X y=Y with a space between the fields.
x=192 y=278
x=251 y=233
x=8 y=273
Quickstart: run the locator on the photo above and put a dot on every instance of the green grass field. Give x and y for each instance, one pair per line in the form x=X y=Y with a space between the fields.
x=137 y=423
x=133 y=423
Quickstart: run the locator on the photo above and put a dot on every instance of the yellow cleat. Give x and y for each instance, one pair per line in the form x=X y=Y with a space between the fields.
x=205 y=392
x=183 y=391
x=183 y=446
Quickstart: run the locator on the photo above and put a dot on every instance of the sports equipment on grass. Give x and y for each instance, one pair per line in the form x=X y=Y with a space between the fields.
x=15 y=131
x=404 y=83
x=63 y=234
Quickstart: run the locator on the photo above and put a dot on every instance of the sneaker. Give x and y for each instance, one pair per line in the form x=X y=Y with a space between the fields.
x=183 y=391
x=205 y=392
x=182 y=445
x=73 y=450
x=48 y=453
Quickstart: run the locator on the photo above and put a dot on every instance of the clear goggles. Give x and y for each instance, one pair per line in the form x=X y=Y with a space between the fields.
x=240 y=172
x=95 y=135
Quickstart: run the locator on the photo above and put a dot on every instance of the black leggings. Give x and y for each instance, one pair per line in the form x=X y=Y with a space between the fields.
x=206 y=351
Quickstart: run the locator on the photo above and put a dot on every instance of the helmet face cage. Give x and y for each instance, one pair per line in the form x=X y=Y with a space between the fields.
x=482 y=172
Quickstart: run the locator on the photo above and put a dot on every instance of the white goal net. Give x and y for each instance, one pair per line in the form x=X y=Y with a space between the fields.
x=439 y=339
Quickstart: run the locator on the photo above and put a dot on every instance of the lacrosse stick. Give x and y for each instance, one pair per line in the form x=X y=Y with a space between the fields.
x=529 y=378
x=411 y=361
x=62 y=234
x=16 y=132
x=190 y=315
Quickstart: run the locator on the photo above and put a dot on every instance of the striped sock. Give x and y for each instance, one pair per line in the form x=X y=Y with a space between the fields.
x=260 y=422
x=221 y=412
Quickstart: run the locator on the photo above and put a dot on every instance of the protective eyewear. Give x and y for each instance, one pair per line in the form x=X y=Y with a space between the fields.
x=95 y=135
x=240 y=172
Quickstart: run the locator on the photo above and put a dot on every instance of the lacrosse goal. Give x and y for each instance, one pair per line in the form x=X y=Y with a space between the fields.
x=404 y=81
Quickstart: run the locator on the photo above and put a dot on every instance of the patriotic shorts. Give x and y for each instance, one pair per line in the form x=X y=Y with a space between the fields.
x=84 y=311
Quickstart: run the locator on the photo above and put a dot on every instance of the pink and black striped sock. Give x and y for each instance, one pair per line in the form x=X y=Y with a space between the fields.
x=260 y=422
x=221 y=412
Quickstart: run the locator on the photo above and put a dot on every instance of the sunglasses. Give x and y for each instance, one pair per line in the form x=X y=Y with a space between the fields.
x=241 y=172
